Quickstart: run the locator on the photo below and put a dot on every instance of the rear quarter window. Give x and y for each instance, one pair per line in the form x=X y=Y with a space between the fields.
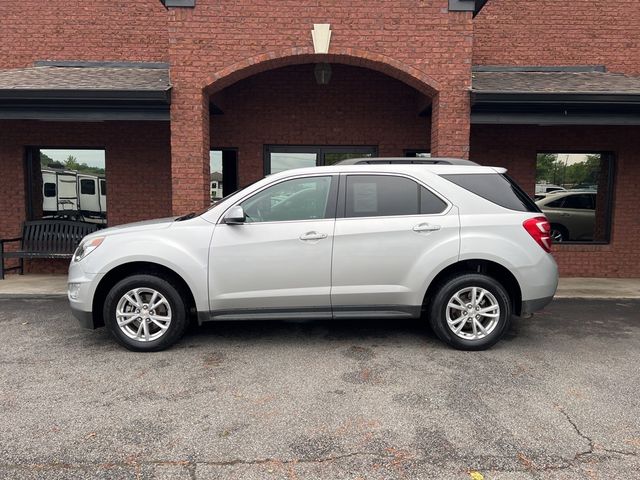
x=496 y=188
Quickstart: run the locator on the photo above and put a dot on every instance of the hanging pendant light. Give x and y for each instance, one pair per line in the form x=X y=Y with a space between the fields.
x=322 y=73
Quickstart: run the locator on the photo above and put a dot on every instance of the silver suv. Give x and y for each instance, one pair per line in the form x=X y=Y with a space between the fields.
x=455 y=243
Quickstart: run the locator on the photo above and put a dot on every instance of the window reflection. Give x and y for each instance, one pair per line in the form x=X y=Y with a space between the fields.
x=573 y=191
x=69 y=184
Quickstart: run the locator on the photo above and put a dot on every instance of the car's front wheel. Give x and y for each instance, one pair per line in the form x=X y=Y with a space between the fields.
x=145 y=313
x=470 y=311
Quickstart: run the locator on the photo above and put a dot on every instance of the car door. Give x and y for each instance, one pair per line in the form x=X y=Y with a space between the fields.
x=278 y=262
x=391 y=233
x=575 y=212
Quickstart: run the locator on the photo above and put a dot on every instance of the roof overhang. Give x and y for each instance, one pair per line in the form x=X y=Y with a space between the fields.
x=86 y=91
x=554 y=96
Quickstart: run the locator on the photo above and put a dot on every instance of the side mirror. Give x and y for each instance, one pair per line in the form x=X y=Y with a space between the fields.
x=235 y=216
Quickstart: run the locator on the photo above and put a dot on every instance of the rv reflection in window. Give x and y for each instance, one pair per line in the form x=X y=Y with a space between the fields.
x=68 y=184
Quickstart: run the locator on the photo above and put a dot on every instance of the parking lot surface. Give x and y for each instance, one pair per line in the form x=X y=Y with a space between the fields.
x=558 y=398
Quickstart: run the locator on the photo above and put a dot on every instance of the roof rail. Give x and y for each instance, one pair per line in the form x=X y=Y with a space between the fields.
x=405 y=161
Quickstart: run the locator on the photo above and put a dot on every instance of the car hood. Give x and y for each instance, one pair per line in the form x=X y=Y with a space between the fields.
x=155 y=224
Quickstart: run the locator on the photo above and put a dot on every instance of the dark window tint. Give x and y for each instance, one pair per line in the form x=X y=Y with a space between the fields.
x=556 y=203
x=429 y=203
x=579 y=202
x=103 y=187
x=380 y=195
x=496 y=188
x=49 y=189
x=87 y=187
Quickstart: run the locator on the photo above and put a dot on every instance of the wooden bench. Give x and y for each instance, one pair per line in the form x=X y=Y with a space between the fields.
x=45 y=239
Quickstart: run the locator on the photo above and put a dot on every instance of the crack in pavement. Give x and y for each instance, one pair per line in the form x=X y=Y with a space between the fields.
x=185 y=463
x=592 y=445
x=578 y=455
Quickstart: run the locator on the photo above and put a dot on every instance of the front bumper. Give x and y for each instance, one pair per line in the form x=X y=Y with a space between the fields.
x=81 y=290
x=85 y=318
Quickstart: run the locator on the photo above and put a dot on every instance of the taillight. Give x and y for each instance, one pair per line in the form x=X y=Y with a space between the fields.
x=540 y=229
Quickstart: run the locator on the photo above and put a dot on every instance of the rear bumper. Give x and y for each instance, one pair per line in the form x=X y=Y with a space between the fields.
x=531 y=306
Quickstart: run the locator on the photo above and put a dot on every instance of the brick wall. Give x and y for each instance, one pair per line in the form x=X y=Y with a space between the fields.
x=287 y=106
x=515 y=148
x=133 y=30
x=223 y=41
x=137 y=168
x=552 y=32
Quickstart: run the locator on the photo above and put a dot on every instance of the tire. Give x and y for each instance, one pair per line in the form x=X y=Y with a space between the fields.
x=559 y=233
x=170 y=313
x=494 y=300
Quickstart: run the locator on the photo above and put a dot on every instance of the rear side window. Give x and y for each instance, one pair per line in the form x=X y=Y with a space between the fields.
x=497 y=188
x=386 y=195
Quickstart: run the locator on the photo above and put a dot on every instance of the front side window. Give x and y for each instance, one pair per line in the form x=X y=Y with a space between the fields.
x=386 y=195
x=296 y=199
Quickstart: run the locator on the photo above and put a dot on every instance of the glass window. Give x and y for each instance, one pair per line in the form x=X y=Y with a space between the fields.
x=286 y=161
x=87 y=187
x=429 y=203
x=497 y=188
x=579 y=202
x=417 y=153
x=297 y=199
x=64 y=184
x=49 y=189
x=576 y=191
x=386 y=195
x=279 y=158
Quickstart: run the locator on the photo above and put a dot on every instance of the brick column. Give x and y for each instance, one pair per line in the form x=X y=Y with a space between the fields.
x=450 y=124
x=189 y=148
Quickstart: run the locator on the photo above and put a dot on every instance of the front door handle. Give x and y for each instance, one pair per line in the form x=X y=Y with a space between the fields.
x=313 y=235
x=426 y=227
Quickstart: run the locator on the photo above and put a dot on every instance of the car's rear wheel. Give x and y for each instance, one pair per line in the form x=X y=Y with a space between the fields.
x=470 y=311
x=558 y=233
x=145 y=313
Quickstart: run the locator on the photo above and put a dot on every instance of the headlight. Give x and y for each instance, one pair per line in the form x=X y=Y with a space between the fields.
x=86 y=247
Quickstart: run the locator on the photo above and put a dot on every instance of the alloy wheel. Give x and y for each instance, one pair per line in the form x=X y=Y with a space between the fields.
x=472 y=313
x=143 y=314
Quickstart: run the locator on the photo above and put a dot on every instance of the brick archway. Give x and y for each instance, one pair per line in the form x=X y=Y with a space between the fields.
x=296 y=56
x=190 y=133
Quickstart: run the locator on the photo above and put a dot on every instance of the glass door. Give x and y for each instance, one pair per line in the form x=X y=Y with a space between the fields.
x=279 y=158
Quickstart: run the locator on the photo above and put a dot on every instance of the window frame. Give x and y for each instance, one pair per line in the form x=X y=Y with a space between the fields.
x=342 y=196
x=612 y=158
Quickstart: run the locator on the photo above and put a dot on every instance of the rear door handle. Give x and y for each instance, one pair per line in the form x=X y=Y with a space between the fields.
x=426 y=227
x=313 y=235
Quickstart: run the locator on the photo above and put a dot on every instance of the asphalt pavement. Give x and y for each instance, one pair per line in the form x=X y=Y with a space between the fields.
x=558 y=398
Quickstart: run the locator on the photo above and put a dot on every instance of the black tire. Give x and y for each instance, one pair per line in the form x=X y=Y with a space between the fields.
x=174 y=297
x=562 y=235
x=445 y=292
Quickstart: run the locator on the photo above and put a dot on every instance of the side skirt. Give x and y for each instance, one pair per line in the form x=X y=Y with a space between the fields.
x=314 y=313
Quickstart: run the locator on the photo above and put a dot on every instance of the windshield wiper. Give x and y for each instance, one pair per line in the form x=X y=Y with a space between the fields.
x=186 y=217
